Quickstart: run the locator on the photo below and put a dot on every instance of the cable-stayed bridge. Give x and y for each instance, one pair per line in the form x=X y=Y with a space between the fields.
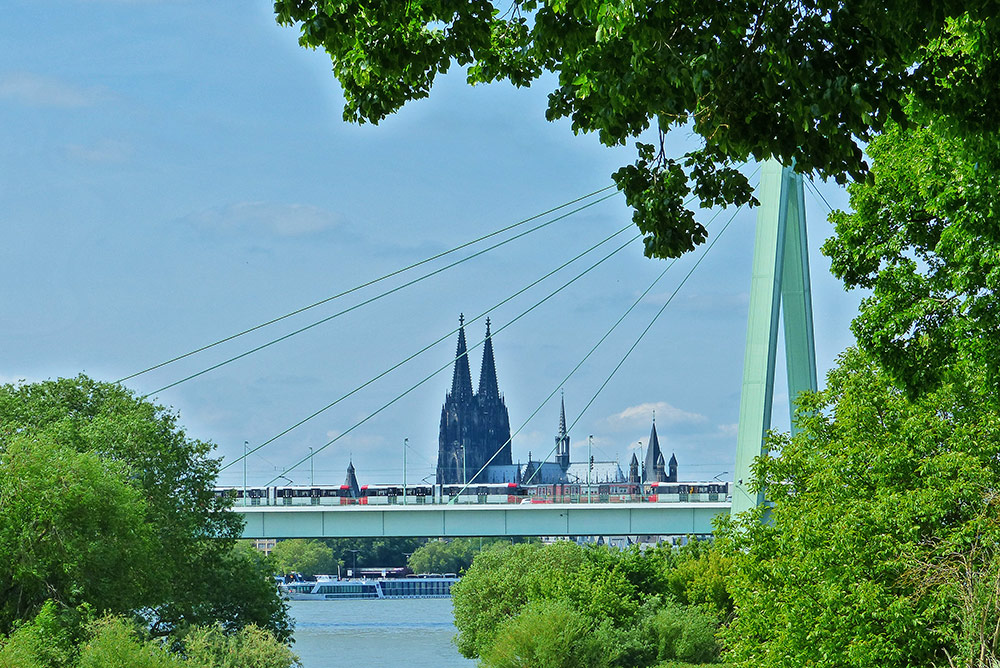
x=780 y=287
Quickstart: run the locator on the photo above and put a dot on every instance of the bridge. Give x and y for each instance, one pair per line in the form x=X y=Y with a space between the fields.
x=780 y=290
x=554 y=519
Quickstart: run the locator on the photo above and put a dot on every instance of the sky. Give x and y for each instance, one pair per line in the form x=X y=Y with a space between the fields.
x=175 y=172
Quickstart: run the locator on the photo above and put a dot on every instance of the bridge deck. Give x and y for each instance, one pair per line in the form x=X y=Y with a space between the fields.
x=481 y=520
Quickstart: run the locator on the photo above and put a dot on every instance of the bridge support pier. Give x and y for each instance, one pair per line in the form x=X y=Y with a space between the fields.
x=779 y=288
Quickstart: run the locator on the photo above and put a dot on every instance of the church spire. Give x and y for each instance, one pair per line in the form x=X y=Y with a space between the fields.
x=652 y=455
x=562 y=415
x=562 y=439
x=461 y=381
x=488 y=388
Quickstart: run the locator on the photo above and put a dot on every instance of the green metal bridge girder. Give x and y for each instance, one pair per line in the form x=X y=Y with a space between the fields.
x=779 y=288
x=616 y=519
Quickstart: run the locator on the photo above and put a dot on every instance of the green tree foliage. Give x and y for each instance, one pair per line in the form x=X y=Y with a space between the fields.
x=547 y=634
x=439 y=556
x=808 y=82
x=64 y=638
x=373 y=552
x=71 y=530
x=924 y=238
x=873 y=485
x=514 y=602
x=47 y=641
x=114 y=643
x=251 y=647
x=685 y=633
x=146 y=487
x=308 y=557
x=501 y=581
x=698 y=576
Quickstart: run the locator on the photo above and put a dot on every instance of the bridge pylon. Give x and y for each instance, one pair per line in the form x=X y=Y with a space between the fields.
x=779 y=287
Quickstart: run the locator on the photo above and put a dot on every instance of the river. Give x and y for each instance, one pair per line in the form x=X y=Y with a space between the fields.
x=415 y=633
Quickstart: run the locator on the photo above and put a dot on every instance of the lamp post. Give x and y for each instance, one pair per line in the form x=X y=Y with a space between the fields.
x=642 y=476
x=246 y=447
x=312 y=469
x=406 y=442
x=590 y=462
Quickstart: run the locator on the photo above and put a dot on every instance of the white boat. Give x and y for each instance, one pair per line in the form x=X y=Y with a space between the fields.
x=326 y=587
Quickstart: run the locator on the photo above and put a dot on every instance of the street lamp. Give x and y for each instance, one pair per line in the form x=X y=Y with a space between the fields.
x=590 y=462
x=246 y=446
x=642 y=476
x=465 y=477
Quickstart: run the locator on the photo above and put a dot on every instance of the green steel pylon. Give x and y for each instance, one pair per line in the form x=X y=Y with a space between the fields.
x=779 y=286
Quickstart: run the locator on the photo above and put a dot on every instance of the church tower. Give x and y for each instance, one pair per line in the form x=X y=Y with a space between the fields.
x=459 y=420
x=495 y=434
x=653 y=456
x=562 y=440
x=473 y=426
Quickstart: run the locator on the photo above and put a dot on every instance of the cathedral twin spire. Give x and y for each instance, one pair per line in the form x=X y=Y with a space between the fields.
x=475 y=427
x=461 y=382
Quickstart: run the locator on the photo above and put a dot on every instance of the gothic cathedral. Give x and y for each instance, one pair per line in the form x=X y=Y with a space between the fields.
x=474 y=427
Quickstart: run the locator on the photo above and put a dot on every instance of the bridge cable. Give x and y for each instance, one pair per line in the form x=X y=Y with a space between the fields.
x=361 y=286
x=641 y=335
x=651 y=323
x=376 y=297
x=450 y=363
x=428 y=347
x=817 y=194
x=594 y=348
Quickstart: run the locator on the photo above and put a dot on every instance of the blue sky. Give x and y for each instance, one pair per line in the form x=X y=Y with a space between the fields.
x=174 y=172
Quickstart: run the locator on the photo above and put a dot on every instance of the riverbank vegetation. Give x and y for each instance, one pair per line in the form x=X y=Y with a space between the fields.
x=338 y=555
x=111 y=537
x=563 y=605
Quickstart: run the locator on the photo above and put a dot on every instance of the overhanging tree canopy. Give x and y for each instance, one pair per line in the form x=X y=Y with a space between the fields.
x=808 y=82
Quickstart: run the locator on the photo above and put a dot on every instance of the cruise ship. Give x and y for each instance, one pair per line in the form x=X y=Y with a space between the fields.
x=328 y=588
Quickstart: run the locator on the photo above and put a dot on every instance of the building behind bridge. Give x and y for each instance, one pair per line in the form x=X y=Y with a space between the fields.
x=474 y=441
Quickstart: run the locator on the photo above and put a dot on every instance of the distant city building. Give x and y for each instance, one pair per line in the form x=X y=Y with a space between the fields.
x=474 y=438
x=351 y=482
x=265 y=545
x=475 y=428
x=654 y=468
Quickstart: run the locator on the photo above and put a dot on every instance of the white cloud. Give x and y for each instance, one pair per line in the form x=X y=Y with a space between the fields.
x=642 y=414
x=36 y=90
x=286 y=220
x=104 y=151
x=728 y=429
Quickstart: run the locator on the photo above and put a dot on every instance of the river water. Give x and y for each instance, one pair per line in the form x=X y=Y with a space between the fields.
x=416 y=633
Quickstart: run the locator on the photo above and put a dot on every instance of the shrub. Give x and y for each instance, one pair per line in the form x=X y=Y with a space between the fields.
x=546 y=634
x=685 y=633
x=44 y=642
x=251 y=647
x=115 y=643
